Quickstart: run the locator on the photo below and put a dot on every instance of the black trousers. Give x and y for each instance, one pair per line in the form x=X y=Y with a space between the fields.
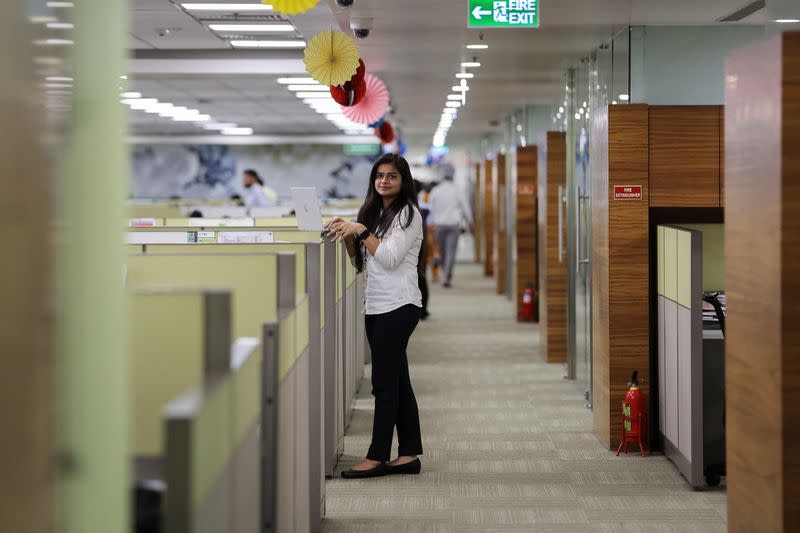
x=395 y=404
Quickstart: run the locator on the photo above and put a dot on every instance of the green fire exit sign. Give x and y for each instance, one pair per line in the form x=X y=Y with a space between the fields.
x=503 y=13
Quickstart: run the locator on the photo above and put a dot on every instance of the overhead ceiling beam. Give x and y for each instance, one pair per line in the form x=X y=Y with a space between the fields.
x=256 y=62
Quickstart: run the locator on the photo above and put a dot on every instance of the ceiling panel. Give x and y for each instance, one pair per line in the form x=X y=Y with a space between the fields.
x=416 y=47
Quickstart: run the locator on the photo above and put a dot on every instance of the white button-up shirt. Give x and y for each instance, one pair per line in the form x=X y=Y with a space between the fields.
x=448 y=205
x=392 y=279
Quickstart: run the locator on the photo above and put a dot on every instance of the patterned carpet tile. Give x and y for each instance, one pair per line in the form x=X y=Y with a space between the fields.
x=508 y=442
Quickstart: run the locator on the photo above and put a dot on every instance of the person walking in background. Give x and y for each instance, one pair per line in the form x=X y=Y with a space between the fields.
x=433 y=255
x=423 y=258
x=448 y=208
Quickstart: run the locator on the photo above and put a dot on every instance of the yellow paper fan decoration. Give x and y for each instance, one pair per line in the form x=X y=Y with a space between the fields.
x=291 y=7
x=331 y=58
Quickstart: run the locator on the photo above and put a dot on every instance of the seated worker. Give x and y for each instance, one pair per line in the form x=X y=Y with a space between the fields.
x=254 y=195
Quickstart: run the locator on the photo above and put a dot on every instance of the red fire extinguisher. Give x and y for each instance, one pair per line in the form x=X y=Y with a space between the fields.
x=634 y=416
x=529 y=305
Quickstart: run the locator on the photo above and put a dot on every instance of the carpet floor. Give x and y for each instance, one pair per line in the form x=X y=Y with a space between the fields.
x=508 y=442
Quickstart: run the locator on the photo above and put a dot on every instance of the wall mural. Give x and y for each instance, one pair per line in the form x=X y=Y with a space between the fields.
x=164 y=171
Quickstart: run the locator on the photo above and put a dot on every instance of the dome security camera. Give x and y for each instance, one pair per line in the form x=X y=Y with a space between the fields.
x=345 y=3
x=361 y=27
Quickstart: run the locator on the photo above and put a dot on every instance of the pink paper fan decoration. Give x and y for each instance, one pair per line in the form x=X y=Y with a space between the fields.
x=373 y=106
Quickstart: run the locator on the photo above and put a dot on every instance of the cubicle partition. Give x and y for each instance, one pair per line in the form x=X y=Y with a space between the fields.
x=690 y=352
x=318 y=385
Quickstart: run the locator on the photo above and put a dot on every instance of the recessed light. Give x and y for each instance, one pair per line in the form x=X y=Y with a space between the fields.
x=269 y=44
x=477 y=46
x=449 y=111
x=460 y=88
x=465 y=75
x=58 y=78
x=219 y=126
x=60 y=25
x=227 y=7
x=237 y=131
x=624 y=97
x=787 y=21
x=139 y=101
x=60 y=4
x=454 y=97
x=42 y=19
x=291 y=81
x=316 y=88
x=191 y=117
x=57 y=85
x=252 y=28
x=54 y=42
x=453 y=104
x=131 y=95
x=468 y=64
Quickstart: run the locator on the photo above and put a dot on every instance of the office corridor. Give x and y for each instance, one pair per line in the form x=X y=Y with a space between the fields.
x=508 y=442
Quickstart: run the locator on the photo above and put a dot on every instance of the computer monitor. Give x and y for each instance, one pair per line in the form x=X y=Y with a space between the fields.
x=306 y=208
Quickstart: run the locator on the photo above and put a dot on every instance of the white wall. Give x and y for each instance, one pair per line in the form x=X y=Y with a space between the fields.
x=684 y=65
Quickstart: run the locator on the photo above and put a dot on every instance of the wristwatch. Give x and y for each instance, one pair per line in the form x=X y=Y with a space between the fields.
x=363 y=235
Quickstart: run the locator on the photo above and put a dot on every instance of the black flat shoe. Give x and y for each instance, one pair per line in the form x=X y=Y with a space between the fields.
x=377 y=471
x=413 y=467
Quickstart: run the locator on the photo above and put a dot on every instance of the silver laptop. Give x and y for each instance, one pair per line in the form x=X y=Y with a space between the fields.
x=306 y=207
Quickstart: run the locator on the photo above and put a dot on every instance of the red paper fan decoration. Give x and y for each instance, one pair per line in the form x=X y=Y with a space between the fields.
x=361 y=72
x=385 y=132
x=350 y=93
x=373 y=106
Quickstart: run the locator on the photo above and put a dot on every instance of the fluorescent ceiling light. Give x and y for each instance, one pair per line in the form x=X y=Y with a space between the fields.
x=624 y=97
x=787 y=21
x=314 y=95
x=54 y=42
x=252 y=28
x=60 y=4
x=123 y=77
x=318 y=88
x=42 y=20
x=237 y=131
x=453 y=104
x=269 y=44
x=465 y=75
x=454 y=97
x=219 y=126
x=58 y=78
x=60 y=25
x=139 y=101
x=227 y=7
x=131 y=95
x=468 y=64
x=57 y=85
x=290 y=81
x=477 y=46
x=450 y=111
x=192 y=118
x=460 y=88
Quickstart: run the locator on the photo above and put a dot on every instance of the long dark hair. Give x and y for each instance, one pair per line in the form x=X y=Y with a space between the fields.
x=373 y=215
x=253 y=174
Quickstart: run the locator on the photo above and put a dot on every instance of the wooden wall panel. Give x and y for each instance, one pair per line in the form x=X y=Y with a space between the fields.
x=684 y=156
x=722 y=156
x=476 y=212
x=620 y=262
x=527 y=238
x=499 y=224
x=762 y=236
x=553 y=290
x=488 y=219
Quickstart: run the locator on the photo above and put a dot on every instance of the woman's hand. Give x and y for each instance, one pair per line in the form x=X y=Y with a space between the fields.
x=344 y=229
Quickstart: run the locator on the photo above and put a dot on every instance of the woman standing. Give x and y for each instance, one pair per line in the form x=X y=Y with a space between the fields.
x=386 y=242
